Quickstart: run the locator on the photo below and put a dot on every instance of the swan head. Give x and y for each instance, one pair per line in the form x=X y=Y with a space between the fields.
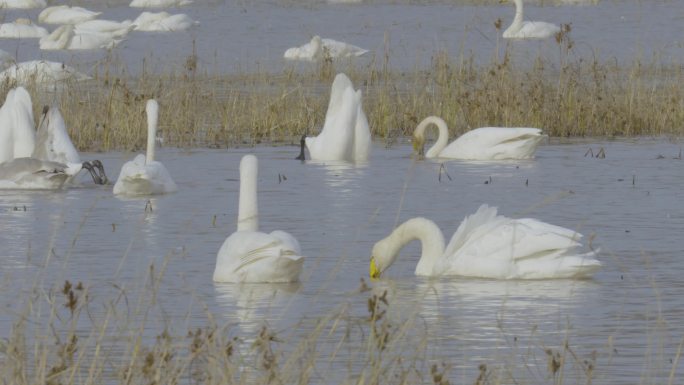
x=382 y=256
x=418 y=146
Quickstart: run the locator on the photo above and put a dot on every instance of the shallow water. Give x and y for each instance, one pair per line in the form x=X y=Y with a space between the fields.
x=628 y=204
x=246 y=36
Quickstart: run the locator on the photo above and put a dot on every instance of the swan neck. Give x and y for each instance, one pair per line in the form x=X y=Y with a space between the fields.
x=248 y=210
x=430 y=237
x=518 y=19
x=442 y=139
x=152 y=118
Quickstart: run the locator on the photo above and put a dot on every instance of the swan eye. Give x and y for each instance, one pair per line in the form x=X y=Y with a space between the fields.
x=373 y=270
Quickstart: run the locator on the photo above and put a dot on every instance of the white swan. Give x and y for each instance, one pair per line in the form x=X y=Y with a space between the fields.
x=144 y=175
x=159 y=3
x=54 y=144
x=249 y=255
x=484 y=143
x=21 y=28
x=319 y=49
x=70 y=38
x=32 y=174
x=41 y=71
x=22 y=4
x=163 y=22
x=522 y=29
x=345 y=135
x=17 y=137
x=487 y=245
x=114 y=28
x=64 y=14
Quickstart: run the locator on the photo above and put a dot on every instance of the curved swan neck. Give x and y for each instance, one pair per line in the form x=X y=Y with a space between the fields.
x=430 y=237
x=152 y=118
x=518 y=19
x=442 y=139
x=248 y=210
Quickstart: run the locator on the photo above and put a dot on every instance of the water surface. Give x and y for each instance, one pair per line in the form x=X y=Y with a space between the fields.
x=628 y=317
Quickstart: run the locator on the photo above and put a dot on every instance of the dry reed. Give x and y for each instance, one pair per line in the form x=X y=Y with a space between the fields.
x=577 y=98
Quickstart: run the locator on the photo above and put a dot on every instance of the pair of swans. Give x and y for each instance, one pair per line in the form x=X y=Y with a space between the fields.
x=144 y=175
x=345 y=135
x=487 y=245
x=484 y=143
x=319 y=49
x=523 y=29
x=46 y=160
x=249 y=255
x=22 y=28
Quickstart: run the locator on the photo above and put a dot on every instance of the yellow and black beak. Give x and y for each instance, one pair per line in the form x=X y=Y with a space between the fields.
x=373 y=269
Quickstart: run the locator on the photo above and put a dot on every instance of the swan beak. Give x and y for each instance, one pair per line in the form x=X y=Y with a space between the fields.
x=373 y=270
x=418 y=148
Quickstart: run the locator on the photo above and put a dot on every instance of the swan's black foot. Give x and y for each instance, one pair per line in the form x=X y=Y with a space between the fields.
x=93 y=174
x=100 y=169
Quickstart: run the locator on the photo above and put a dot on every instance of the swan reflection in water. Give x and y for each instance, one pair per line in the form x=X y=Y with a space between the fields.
x=252 y=306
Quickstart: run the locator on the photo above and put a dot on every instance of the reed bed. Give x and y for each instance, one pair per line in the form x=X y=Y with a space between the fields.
x=70 y=334
x=575 y=98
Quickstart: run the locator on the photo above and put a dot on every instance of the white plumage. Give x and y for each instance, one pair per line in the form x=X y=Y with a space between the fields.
x=319 y=49
x=345 y=135
x=143 y=175
x=249 y=255
x=487 y=245
x=484 y=143
x=523 y=29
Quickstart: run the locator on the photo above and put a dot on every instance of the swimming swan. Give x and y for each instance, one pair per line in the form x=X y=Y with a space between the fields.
x=144 y=175
x=249 y=255
x=318 y=49
x=484 y=143
x=159 y=3
x=32 y=174
x=54 y=144
x=69 y=37
x=41 y=71
x=520 y=29
x=64 y=14
x=116 y=29
x=163 y=22
x=22 y=4
x=487 y=245
x=21 y=28
x=345 y=135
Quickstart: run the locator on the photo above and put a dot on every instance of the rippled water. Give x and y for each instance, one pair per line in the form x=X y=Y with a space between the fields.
x=628 y=203
x=246 y=36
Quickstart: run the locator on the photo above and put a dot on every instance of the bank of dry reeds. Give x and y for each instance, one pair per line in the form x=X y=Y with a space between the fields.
x=574 y=98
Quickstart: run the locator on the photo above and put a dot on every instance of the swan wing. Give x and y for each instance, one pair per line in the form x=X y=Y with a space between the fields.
x=491 y=246
x=487 y=143
x=33 y=174
x=337 y=94
x=252 y=256
x=537 y=30
x=338 y=49
x=23 y=126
